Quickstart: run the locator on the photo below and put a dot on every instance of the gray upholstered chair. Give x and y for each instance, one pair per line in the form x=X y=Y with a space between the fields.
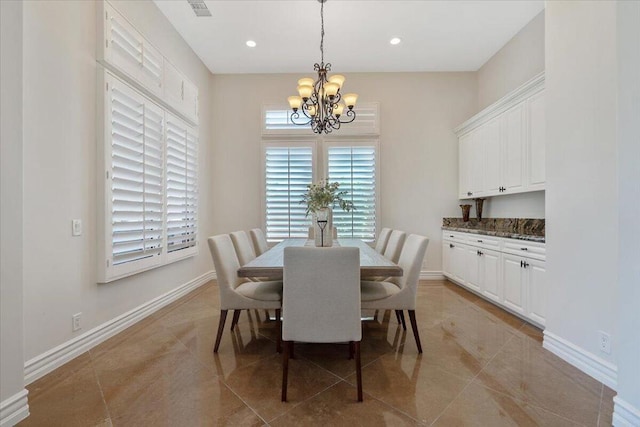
x=394 y=245
x=383 y=238
x=259 y=241
x=321 y=301
x=238 y=293
x=399 y=293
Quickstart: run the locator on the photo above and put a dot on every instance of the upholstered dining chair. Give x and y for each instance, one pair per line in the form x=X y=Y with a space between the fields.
x=321 y=302
x=243 y=247
x=238 y=293
x=259 y=241
x=399 y=293
x=394 y=245
x=383 y=238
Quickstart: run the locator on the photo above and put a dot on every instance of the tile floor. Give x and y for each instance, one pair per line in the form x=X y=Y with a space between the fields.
x=481 y=367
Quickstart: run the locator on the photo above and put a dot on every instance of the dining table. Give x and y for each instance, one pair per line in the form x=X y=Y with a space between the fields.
x=270 y=265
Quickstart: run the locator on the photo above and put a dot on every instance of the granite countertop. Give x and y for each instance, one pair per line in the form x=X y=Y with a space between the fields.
x=530 y=229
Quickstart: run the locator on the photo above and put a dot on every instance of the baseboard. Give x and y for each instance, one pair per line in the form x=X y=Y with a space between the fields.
x=48 y=361
x=598 y=368
x=431 y=275
x=14 y=409
x=625 y=414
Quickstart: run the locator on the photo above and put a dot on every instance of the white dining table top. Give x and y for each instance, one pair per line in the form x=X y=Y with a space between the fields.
x=270 y=264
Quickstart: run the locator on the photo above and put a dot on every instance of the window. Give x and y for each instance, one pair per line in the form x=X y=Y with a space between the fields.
x=150 y=192
x=288 y=171
x=354 y=167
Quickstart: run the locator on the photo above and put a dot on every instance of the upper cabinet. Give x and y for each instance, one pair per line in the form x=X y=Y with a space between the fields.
x=502 y=148
x=126 y=52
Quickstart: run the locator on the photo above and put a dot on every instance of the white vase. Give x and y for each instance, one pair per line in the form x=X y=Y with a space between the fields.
x=323 y=237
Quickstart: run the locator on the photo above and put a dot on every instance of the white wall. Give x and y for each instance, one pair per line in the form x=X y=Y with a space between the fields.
x=418 y=150
x=60 y=172
x=582 y=181
x=11 y=183
x=628 y=311
x=515 y=63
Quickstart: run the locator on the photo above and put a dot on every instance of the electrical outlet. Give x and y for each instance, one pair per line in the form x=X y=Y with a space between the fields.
x=605 y=342
x=76 y=321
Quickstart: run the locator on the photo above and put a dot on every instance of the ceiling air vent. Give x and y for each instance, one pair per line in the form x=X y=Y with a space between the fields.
x=199 y=8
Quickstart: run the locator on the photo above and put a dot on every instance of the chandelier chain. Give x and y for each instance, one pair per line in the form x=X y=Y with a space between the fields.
x=322 y=31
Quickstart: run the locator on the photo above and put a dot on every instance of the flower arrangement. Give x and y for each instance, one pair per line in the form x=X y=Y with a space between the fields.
x=325 y=194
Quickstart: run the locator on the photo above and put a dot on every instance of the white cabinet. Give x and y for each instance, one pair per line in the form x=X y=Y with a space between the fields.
x=537 y=142
x=508 y=272
x=502 y=148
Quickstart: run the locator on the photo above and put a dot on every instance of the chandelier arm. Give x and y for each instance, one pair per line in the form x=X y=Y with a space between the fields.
x=351 y=114
x=295 y=116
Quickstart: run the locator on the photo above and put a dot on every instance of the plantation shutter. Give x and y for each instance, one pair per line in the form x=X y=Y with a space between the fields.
x=124 y=43
x=136 y=176
x=355 y=169
x=288 y=172
x=152 y=67
x=182 y=186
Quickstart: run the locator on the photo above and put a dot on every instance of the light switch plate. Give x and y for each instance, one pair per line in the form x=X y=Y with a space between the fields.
x=76 y=227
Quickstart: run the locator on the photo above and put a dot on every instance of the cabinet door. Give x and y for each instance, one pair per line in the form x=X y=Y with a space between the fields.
x=513 y=148
x=536 y=142
x=458 y=265
x=476 y=163
x=473 y=268
x=446 y=258
x=173 y=86
x=464 y=156
x=536 y=305
x=490 y=274
x=493 y=153
x=513 y=283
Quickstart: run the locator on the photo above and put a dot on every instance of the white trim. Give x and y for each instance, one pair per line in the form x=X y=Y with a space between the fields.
x=431 y=275
x=57 y=356
x=598 y=368
x=625 y=414
x=14 y=408
x=513 y=98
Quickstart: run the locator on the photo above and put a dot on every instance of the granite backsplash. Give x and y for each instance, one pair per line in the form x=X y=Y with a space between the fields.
x=506 y=227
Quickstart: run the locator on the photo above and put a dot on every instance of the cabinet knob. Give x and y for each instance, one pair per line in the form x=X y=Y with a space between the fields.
x=479 y=241
x=524 y=249
x=451 y=235
x=451 y=245
x=480 y=253
x=526 y=264
x=469 y=193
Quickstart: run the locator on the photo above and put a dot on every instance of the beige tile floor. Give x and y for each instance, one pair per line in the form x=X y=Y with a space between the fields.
x=481 y=367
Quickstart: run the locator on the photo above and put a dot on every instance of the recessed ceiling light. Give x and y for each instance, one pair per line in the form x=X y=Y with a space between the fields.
x=251 y=43
x=395 y=41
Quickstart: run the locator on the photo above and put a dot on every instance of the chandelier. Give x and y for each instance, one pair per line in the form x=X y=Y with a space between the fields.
x=320 y=101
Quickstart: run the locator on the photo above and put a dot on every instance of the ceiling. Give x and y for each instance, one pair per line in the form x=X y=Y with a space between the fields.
x=450 y=35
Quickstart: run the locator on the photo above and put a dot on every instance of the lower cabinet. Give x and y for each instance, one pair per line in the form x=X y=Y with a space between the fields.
x=510 y=280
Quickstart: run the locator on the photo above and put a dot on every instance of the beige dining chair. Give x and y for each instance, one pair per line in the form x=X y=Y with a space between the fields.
x=259 y=241
x=383 y=238
x=243 y=247
x=238 y=293
x=394 y=245
x=399 y=293
x=321 y=302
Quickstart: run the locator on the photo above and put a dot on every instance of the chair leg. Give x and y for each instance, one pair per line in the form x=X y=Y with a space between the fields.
x=223 y=318
x=278 y=331
x=414 y=326
x=267 y=318
x=404 y=325
x=285 y=369
x=356 y=346
x=351 y=350
x=236 y=316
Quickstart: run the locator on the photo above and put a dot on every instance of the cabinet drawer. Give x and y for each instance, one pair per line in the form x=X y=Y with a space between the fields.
x=524 y=248
x=486 y=242
x=454 y=236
